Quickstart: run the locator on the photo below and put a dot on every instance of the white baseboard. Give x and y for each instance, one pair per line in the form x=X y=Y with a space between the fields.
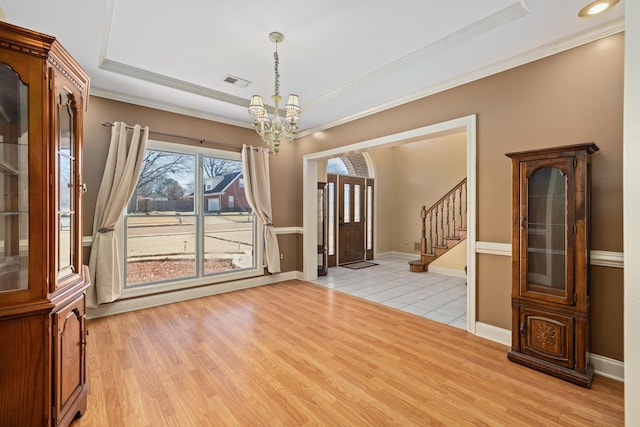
x=406 y=255
x=447 y=271
x=607 y=367
x=154 y=300
x=602 y=365
x=493 y=333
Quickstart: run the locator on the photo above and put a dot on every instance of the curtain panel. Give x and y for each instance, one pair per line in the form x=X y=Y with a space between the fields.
x=126 y=152
x=257 y=187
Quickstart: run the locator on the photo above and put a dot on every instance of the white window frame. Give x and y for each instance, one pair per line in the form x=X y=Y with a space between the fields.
x=166 y=286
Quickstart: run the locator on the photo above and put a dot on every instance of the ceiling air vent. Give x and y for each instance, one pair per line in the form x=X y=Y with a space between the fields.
x=236 y=81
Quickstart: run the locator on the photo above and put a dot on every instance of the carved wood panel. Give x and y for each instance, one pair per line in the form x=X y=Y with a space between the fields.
x=547 y=336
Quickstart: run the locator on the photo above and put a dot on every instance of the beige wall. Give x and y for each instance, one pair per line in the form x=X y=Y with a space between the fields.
x=385 y=184
x=407 y=177
x=572 y=97
x=425 y=171
x=454 y=259
x=96 y=143
x=568 y=98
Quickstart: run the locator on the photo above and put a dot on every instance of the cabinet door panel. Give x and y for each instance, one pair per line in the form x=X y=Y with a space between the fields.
x=547 y=219
x=21 y=184
x=66 y=188
x=547 y=336
x=69 y=355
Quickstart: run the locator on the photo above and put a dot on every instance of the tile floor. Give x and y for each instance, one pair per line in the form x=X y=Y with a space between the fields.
x=431 y=295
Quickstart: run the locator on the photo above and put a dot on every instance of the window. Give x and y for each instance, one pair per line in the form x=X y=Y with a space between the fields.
x=331 y=193
x=177 y=232
x=337 y=166
x=356 y=203
x=369 y=208
x=347 y=200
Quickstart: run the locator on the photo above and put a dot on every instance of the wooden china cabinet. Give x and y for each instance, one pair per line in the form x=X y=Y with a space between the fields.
x=550 y=264
x=43 y=93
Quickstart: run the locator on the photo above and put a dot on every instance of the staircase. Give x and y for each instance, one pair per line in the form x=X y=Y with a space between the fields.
x=443 y=226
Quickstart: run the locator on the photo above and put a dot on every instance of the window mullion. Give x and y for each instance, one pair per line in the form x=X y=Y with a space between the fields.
x=198 y=198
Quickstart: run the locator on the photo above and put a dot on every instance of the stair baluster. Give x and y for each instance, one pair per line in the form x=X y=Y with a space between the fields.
x=442 y=235
x=448 y=217
x=423 y=236
x=453 y=209
x=430 y=251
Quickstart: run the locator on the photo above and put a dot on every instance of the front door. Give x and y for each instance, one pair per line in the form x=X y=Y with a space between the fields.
x=351 y=219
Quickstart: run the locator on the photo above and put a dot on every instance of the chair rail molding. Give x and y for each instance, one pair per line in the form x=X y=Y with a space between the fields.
x=599 y=258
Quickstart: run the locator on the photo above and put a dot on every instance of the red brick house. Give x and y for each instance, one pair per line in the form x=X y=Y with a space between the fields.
x=225 y=193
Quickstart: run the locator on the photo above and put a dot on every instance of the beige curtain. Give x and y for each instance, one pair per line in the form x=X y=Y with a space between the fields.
x=257 y=186
x=126 y=151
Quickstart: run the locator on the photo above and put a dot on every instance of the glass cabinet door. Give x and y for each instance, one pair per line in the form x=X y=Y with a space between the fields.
x=14 y=182
x=546 y=219
x=66 y=200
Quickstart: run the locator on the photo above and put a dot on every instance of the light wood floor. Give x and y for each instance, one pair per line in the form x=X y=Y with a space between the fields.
x=296 y=353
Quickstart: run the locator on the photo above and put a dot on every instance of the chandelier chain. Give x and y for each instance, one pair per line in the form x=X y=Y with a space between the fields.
x=275 y=68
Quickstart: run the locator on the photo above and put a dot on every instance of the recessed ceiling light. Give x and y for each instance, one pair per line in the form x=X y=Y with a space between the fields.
x=596 y=8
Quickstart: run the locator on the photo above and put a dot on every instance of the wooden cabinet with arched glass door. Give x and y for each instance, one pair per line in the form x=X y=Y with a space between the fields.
x=550 y=264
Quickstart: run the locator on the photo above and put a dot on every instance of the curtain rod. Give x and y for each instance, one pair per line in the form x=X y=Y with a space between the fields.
x=190 y=138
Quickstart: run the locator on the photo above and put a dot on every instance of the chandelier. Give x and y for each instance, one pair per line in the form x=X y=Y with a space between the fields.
x=272 y=129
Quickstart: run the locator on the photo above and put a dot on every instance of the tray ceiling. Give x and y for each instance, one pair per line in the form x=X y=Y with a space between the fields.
x=344 y=59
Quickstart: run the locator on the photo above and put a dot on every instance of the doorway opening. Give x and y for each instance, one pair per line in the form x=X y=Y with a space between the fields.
x=350 y=189
x=465 y=124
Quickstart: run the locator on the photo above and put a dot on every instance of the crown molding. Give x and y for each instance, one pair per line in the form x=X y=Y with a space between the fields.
x=161 y=79
x=164 y=106
x=475 y=29
x=532 y=55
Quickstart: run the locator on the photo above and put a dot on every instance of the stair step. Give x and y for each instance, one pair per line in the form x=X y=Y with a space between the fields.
x=417 y=266
x=451 y=241
x=439 y=250
x=428 y=257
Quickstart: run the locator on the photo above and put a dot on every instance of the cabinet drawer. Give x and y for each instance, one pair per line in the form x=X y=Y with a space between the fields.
x=547 y=336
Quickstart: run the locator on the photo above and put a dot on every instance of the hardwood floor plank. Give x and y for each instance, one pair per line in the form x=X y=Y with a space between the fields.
x=295 y=353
